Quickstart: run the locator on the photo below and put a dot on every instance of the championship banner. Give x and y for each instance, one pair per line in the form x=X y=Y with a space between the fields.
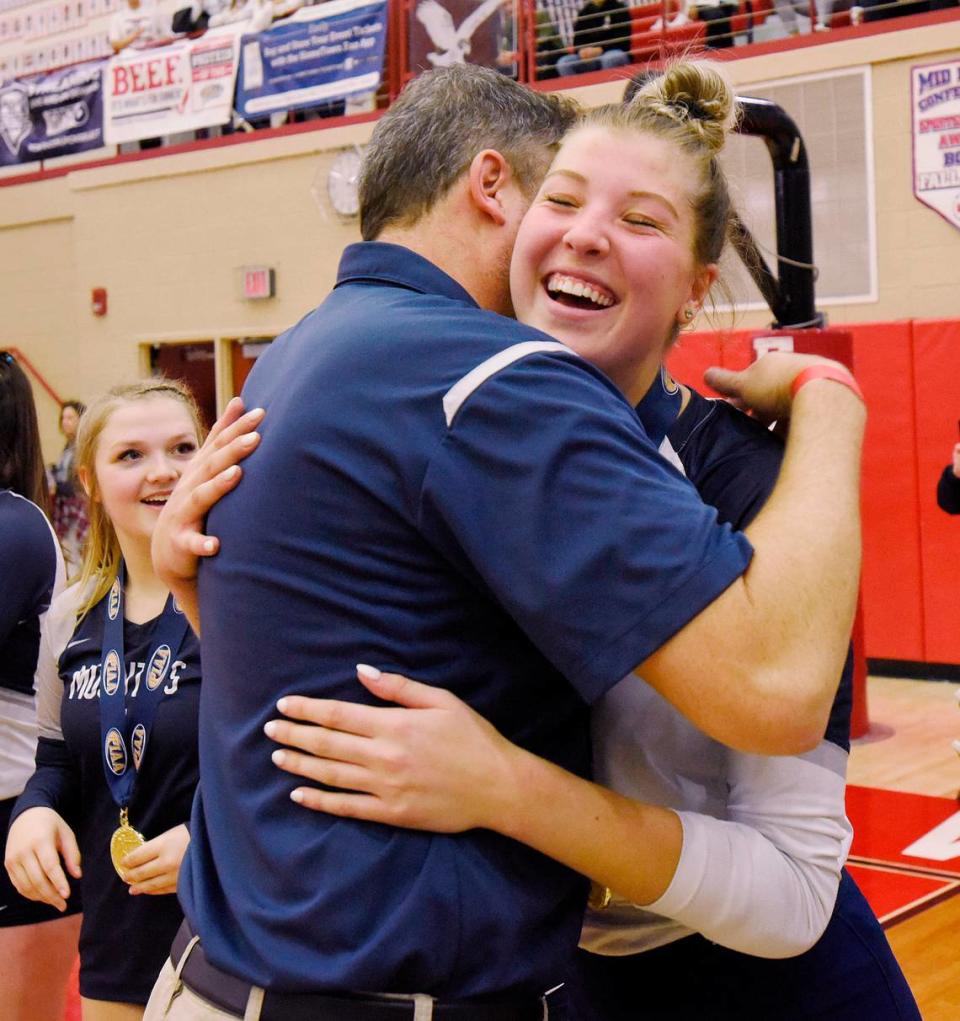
x=52 y=114
x=936 y=137
x=322 y=52
x=161 y=90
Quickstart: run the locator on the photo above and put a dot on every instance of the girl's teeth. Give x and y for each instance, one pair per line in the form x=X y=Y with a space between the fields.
x=578 y=289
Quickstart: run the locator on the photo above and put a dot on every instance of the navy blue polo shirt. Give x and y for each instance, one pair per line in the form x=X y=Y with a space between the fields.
x=442 y=492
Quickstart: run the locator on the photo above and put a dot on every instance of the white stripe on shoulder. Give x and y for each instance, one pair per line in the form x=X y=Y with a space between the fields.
x=454 y=398
x=669 y=454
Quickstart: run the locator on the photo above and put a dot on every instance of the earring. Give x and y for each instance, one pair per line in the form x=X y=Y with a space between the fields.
x=688 y=314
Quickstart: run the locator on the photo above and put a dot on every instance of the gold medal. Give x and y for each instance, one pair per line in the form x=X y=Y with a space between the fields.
x=124 y=840
x=600 y=897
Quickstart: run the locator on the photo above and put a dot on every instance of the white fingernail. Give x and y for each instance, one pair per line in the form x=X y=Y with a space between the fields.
x=296 y=796
x=369 y=673
x=209 y=546
x=278 y=757
x=231 y=472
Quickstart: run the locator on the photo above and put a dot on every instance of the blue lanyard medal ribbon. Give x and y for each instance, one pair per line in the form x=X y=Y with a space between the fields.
x=124 y=729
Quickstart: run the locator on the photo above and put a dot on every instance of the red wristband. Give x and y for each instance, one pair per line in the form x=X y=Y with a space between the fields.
x=835 y=372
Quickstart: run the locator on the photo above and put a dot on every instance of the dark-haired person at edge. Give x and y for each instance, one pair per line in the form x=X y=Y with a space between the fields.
x=38 y=944
x=69 y=503
x=450 y=511
x=948 y=488
x=117 y=681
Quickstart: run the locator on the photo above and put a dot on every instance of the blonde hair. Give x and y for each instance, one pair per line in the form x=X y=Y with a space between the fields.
x=101 y=555
x=692 y=105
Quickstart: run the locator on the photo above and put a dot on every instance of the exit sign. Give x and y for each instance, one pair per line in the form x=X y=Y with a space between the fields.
x=257 y=282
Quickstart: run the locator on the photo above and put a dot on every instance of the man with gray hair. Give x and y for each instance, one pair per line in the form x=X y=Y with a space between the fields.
x=434 y=464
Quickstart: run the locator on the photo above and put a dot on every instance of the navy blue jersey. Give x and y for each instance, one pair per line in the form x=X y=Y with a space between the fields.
x=28 y=570
x=443 y=492
x=734 y=463
x=124 y=940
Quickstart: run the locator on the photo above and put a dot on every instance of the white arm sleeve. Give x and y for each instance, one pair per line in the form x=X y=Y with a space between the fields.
x=764 y=881
x=57 y=629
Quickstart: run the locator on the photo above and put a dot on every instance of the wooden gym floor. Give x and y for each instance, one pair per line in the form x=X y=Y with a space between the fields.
x=909 y=750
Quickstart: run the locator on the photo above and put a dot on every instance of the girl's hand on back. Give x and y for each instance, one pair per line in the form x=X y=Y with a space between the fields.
x=36 y=841
x=154 y=867
x=434 y=764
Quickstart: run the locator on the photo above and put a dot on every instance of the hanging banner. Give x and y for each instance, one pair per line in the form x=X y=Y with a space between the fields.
x=161 y=90
x=52 y=114
x=936 y=137
x=322 y=52
x=445 y=32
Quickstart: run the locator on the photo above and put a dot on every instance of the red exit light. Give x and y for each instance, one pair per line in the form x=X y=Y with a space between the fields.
x=258 y=282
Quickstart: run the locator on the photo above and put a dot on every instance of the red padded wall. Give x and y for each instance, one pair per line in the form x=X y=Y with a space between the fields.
x=910 y=375
x=892 y=573
x=936 y=346
x=691 y=356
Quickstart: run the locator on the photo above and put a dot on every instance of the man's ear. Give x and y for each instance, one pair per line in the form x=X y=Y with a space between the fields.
x=488 y=176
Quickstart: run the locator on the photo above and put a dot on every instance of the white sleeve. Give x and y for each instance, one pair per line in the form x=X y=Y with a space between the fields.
x=764 y=881
x=57 y=629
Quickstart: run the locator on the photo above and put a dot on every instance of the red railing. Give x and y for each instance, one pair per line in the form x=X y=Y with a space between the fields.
x=25 y=362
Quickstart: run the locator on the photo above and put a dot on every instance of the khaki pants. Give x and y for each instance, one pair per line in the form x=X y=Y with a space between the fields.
x=171 y=1000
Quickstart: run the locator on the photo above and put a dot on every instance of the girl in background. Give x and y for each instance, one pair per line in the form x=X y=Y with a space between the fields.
x=69 y=502
x=118 y=686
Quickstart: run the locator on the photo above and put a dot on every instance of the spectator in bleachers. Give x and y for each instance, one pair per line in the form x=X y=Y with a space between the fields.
x=948 y=489
x=196 y=17
x=137 y=22
x=563 y=15
x=549 y=45
x=601 y=39
x=717 y=15
x=258 y=15
x=69 y=502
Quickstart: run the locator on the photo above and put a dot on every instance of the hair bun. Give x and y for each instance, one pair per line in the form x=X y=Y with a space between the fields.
x=695 y=93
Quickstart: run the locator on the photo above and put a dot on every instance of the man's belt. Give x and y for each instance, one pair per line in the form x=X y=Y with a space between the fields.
x=230 y=994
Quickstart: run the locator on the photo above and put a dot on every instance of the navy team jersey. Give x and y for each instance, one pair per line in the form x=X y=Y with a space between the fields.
x=849 y=973
x=28 y=569
x=443 y=492
x=734 y=463
x=124 y=940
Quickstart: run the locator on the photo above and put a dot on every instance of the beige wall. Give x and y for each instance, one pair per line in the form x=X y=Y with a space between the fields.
x=166 y=236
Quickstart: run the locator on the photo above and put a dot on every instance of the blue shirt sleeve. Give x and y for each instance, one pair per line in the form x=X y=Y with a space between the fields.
x=547 y=485
x=54 y=784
